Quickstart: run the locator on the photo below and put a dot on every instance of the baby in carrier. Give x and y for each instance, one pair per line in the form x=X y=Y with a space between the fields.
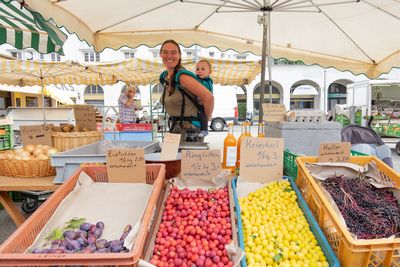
x=203 y=72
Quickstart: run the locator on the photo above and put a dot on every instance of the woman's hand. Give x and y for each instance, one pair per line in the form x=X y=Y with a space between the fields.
x=199 y=90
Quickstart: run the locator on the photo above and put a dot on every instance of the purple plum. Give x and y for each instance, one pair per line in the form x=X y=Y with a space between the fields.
x=85 y=226
x=69 y=235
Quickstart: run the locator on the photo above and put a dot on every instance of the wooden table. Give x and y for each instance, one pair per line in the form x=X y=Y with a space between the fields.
x=20 y=184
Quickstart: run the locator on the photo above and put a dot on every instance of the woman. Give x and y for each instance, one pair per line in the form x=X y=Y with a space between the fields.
x=181 y=91
x=127 y=105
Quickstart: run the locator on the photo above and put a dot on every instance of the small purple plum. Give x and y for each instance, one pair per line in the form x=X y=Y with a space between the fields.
x=73 y=245
x=85 y=226
x=98 y=232
x=56 y=251
x=36 y=251
x=101 y=243
x=80 y=233
x=91 y=240
x=69 y=235
x=100 y=225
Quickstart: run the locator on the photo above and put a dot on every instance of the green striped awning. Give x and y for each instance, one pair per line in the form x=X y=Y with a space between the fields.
x=27 y=29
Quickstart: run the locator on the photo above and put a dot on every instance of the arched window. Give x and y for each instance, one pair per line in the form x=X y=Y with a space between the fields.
x=94 y=89
x=337 y=88
x=157 y=89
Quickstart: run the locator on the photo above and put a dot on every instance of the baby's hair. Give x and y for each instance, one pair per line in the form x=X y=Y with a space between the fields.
x=207 y=62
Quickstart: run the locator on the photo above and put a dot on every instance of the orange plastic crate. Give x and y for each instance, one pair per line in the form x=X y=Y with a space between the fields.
x=351 y=252
x=12 y=251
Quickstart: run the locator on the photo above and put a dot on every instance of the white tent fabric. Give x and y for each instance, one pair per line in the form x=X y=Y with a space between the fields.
x=360 y=36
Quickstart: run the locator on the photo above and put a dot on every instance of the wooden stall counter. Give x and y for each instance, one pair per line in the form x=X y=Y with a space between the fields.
x=8 y=184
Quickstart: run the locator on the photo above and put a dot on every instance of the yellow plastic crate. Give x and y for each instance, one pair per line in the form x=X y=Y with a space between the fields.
x=351 y=252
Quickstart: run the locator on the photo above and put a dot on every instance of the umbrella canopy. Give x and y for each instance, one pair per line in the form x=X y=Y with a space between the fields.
x=22 y=28
x=134 y=71
x=141 y=72
x=362 y=36
x=28 y=73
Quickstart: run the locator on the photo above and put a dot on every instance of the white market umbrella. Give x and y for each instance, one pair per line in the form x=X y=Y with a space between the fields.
x=362 y=36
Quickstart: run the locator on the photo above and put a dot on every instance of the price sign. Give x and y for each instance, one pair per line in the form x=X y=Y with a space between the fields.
x=274 y=112
x=170 y=146
x=126 y=165
x=261 y=159
x=202 y=164
x=85 y=117
x=334 y=152
x=36 y=134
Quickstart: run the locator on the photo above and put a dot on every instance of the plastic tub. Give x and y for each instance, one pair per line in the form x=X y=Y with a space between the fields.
x=351 y=252
x=66 y=163
x=12 y=250
x=315 y=229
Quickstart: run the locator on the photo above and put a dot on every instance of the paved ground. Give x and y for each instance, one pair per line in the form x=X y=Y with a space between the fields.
x=215 y=140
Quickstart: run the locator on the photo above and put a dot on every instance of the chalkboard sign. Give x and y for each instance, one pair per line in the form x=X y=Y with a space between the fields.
x=36 y=134
x=261 y=159
x=126 y=165
x=202 y=164
x=85 y=117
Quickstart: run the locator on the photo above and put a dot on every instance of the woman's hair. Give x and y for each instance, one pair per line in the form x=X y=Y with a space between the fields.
x=127 y=86
x=178 y=66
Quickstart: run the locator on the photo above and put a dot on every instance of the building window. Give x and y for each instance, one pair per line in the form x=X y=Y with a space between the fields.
x=157 y=89
x=189 y=53
x=211 y=54
x=47 y=101
x=18 y=102
x=156 y=53
x=222 y=55
x=31 y=102
x=241 y=57
x=41 y=56
x=55 y=57
x=129 y=54
x=91 y=57
x=94 y=89
x=16 y=54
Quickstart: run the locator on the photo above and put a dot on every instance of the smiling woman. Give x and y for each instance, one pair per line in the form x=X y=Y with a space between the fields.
x=181 y=92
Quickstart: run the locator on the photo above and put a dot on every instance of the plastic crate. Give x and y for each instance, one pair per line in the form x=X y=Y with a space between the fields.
x=12 y=250
x=67 y=162
x=342 y=119
x=6 y=137
x=290 y=166
x=289 y=163
x=351 y=252
x=316 y=230
x=151 y=241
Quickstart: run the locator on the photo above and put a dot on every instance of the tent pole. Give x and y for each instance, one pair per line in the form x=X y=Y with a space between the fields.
x=41 y=83
x=262 y=20
x=269 y=57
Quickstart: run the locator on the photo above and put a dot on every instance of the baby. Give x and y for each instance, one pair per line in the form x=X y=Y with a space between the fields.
x=203 y=72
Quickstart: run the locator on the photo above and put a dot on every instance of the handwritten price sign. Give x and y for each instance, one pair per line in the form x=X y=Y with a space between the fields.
x=202 y=164
x=274 y=112
x=261 y=159
x=85 y=116
x=126 y=165
x=334 y=152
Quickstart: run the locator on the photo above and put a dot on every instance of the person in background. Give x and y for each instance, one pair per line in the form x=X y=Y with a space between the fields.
x=126 y=104
x=181 y=92
x=203 y=72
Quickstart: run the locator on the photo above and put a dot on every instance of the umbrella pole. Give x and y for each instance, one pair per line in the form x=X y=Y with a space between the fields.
x=262 y=20
x=44 y=111
x=269 y=57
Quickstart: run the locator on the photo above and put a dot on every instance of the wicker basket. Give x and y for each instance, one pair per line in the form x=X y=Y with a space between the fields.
x=66 y=141
x=26 y=168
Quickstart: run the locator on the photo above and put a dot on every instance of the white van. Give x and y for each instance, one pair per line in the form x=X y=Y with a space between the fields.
x=225 y=107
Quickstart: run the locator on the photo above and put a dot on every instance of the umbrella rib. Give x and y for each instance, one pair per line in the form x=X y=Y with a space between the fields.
x=138 y=15
x=238 y=4
x=340 y=29
x=380 y=9
x=211 y=4
x=284 y=2
x=252 y=4
x=276 y=1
